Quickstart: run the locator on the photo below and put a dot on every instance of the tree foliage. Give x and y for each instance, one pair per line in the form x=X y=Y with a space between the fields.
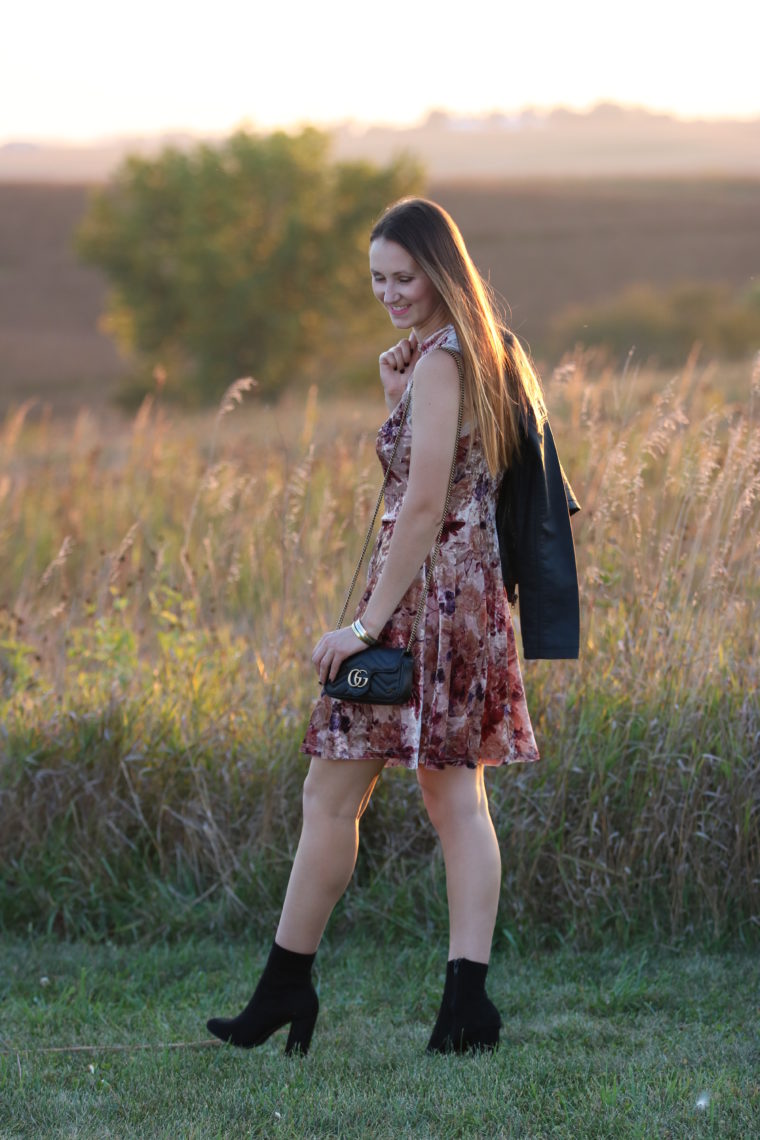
x=247 y=258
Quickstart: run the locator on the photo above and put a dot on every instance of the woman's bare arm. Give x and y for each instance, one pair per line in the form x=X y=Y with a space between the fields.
x=435 y=406
x=434 y=418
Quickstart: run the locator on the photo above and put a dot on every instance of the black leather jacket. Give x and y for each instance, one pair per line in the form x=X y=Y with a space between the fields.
x=536 y=544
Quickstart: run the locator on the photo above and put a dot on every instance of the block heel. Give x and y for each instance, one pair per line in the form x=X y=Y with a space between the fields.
x=299 y=1037
x=484 y=1040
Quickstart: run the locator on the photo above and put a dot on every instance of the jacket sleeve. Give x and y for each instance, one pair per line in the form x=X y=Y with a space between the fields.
x=536 y=544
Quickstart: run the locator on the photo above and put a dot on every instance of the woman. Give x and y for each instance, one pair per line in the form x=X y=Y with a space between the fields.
x=468 y=707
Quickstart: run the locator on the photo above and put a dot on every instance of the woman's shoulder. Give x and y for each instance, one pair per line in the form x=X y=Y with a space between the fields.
x=445 y=338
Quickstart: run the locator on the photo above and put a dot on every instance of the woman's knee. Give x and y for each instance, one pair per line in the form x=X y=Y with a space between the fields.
x=338 y=789
x=453 y=795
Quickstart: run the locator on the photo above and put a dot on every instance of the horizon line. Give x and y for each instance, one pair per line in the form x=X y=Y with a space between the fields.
x=364 y=125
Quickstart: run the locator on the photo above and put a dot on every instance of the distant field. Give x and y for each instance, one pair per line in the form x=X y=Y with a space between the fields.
x=552 y=243
x=544 y=244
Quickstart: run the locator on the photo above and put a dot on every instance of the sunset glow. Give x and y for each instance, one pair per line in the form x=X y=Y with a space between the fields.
x=81 y=71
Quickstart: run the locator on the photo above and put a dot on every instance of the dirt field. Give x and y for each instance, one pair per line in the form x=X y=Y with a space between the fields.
x=547 y=244
x=544 y=244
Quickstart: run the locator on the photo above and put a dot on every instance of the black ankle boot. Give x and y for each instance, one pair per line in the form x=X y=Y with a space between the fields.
x=467 y=1019
x=283 y=996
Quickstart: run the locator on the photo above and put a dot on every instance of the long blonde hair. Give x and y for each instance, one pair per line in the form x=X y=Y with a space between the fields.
x=500 y=381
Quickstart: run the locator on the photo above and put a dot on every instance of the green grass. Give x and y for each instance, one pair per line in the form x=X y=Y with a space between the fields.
x=602 y=1044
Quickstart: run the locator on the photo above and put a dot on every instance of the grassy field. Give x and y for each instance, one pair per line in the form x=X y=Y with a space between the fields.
x=544 y=243
x=164 y=583
x=640 y=1043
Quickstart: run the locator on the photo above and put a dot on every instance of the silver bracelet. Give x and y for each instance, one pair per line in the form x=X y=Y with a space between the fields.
x=362 y=634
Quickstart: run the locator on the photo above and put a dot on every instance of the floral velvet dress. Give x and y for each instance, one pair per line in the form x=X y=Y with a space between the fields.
x=468 y=701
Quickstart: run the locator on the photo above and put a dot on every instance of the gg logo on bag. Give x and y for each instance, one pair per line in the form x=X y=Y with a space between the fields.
x=358 y=678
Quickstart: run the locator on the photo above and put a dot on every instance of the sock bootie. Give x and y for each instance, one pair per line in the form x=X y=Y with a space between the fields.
x=467 y=1019
x=284 y=995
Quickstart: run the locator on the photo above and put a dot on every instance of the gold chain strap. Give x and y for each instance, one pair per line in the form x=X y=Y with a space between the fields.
x=377 y=508
x=437 y=546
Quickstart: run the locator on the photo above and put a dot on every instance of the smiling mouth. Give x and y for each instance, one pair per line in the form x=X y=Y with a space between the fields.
x=398 y=310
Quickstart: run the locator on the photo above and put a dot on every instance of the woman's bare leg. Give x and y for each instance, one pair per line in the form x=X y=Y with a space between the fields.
x=456 y=801
x=335 y=794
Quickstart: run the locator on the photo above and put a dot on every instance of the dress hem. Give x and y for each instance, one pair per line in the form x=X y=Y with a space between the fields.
x=411 y=765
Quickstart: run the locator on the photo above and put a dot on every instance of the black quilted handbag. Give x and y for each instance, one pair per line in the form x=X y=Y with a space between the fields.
x=381 y=674
x=378 y=675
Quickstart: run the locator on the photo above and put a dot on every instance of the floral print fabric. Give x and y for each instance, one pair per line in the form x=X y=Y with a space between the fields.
x=468 y=701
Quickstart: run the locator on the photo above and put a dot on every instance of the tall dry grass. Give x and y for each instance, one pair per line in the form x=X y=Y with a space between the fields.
x=163 y=584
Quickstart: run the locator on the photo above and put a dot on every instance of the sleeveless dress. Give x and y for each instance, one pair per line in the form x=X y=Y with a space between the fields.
x=468 y=701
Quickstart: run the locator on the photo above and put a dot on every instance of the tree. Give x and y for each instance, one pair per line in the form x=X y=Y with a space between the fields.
x=238 y=259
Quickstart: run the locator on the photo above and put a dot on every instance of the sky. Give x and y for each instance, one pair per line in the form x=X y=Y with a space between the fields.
x=85 y=70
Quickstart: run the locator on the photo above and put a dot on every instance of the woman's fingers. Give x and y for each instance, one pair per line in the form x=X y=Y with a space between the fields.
x=400 y=357
x=322 y=659
x=319 y=649
x=393 y=359
x=328 y=667
x=332 y=650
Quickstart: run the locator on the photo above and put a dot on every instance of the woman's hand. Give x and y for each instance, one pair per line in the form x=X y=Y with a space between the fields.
x=396 y=366
x=332 y=650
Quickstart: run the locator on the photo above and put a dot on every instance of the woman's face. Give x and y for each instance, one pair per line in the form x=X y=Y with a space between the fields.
x=406 y=292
